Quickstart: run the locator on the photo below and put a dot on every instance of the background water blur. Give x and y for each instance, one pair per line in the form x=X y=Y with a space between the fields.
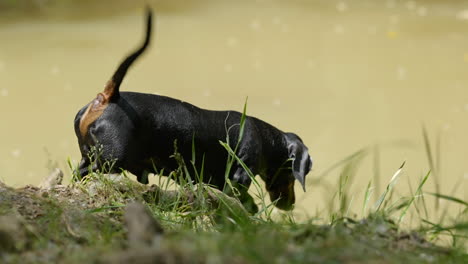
x=344 y=75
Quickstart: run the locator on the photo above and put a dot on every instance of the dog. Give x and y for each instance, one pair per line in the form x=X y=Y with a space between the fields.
x=139 y=133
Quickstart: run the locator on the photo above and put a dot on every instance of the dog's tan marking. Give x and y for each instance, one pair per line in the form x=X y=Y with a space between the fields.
x=109 y=89
x=96 y=108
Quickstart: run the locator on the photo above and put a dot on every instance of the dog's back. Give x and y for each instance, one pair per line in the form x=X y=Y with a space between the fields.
x=158 y=123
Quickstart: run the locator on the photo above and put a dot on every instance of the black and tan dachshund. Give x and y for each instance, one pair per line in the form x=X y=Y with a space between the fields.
x=139 y=131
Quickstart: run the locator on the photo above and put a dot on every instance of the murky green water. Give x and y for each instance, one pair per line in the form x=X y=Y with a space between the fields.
x=340 y=74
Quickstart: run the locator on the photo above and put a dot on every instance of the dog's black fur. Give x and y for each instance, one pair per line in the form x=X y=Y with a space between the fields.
x=138 y=132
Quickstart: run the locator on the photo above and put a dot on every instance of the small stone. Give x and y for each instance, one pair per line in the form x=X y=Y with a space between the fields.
x=13 y=234
x=117 y=178
x=54 y=179
x=143 y=230
x=381 y=229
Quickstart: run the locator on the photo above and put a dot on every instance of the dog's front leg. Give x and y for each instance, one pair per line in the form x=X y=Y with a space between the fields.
x=241 y=181
x=142 y=177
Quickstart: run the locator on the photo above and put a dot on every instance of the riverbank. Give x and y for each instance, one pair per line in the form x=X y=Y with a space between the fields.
x=112 y=219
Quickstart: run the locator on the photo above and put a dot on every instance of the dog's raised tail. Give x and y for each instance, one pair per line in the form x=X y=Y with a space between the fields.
x=111 y=90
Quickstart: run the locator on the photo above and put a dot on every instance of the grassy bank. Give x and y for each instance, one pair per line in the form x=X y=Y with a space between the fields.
x=112 y=219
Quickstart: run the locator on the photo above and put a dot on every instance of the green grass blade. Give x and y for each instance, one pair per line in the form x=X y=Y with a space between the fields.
x=449 y=198
x=463 y=226
x=432 y=165
x=244 y=166
x=193 y=149
x=242 y=121
x=361 y=152
x=104 y=208
x=367 y=196
x=417 y=194
x=389 y=188
x=376 y=169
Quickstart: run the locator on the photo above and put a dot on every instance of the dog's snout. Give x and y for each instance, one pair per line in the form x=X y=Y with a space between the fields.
x=283 y=196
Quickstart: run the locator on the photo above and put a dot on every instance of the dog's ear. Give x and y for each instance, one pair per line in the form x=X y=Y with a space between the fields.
x=299 y=154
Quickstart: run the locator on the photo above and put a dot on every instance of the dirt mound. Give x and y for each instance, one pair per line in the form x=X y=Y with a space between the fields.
x=111 y=219
x=54 y=222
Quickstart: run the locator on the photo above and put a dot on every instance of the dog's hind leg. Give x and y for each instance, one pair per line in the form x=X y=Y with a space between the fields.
x=84 y=168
